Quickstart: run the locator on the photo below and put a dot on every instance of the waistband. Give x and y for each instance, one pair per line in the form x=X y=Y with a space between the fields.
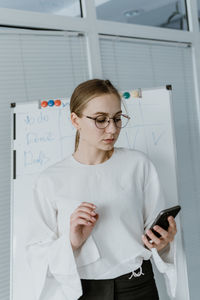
x=144 y=269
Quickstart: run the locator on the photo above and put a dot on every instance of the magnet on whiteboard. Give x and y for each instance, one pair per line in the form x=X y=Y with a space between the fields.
x=51 y=102
x=136 y=93
x=57 y=102
x=126 y=95
x=44 y=104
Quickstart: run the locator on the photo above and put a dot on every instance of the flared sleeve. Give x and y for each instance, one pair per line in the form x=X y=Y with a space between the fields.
x=50 y=255
x=154 y=202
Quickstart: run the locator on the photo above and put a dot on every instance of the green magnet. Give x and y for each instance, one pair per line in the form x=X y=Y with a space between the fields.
x=126 y=95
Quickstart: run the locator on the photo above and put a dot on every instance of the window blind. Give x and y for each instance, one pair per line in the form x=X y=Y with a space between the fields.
x=33 y=65
x=132 y=63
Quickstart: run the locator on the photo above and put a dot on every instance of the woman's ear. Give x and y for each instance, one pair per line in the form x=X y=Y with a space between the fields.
x=75 y=120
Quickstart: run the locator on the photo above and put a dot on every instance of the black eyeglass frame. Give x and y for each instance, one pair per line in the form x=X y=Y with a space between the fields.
x=94 y=118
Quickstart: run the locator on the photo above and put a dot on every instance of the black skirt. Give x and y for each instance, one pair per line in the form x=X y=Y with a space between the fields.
x=140 y=286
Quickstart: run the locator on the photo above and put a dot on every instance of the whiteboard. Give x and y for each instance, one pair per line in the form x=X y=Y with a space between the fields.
x=44 y=136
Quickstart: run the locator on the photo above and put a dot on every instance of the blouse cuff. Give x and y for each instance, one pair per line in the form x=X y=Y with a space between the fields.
x=57 y=258
x=166 y=264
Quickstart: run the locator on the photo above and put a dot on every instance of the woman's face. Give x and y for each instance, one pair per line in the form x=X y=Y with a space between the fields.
x=104 y=105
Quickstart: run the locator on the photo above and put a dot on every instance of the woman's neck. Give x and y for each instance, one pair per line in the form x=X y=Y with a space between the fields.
x=92 y=157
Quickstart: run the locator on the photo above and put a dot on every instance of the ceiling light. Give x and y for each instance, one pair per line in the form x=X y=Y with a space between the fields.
x=133 y=12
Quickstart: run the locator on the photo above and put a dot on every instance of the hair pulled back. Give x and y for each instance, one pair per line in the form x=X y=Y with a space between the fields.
x=85 y=92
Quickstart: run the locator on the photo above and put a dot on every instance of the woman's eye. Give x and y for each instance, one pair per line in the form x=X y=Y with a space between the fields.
x=118 y=119
x=101 y=120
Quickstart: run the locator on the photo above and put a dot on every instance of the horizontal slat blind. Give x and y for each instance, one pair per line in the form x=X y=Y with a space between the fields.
x=60 y=62
x=131 y=63
x=32 y=66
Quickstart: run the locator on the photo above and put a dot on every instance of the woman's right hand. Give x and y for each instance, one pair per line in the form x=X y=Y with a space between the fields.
x=81 y=223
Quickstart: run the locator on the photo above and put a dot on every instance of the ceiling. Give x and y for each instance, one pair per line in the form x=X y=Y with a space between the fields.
x=166 y=13
x=146 y=12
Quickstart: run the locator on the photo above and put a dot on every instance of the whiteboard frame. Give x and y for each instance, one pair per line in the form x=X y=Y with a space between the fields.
x=11 y=206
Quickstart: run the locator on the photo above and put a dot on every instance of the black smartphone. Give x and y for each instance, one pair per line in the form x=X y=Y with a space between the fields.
x=162 y=221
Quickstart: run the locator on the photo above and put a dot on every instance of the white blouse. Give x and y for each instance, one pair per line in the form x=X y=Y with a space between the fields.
x=128 y=196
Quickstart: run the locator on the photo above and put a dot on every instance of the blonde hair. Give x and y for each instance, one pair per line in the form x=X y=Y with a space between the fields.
x=85 y=92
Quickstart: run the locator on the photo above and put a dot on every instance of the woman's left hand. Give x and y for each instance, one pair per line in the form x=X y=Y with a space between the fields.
x=166 y=236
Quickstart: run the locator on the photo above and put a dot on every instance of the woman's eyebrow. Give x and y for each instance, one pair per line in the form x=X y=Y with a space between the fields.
x=104 y=113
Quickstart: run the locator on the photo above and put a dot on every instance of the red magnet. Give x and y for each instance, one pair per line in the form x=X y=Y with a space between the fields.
x=44 y=103
x=57 y=102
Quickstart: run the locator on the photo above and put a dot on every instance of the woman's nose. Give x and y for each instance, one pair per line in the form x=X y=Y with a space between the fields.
x=111 y=126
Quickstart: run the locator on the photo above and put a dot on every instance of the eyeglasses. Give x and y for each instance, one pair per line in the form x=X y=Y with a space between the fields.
x=102 y=122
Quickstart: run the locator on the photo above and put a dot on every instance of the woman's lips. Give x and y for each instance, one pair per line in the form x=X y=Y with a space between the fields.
x=109 y=140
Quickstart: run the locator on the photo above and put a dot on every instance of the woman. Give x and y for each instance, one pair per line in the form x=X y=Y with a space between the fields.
x=93 y=209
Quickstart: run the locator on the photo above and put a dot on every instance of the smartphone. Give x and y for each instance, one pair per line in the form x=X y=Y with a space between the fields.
x=162 y=221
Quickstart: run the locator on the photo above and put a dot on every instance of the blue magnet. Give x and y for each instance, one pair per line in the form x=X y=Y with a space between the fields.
x=126 y=95
x=51 y=103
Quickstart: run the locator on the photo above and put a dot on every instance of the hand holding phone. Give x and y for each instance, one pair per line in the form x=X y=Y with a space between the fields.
x=162 y=219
